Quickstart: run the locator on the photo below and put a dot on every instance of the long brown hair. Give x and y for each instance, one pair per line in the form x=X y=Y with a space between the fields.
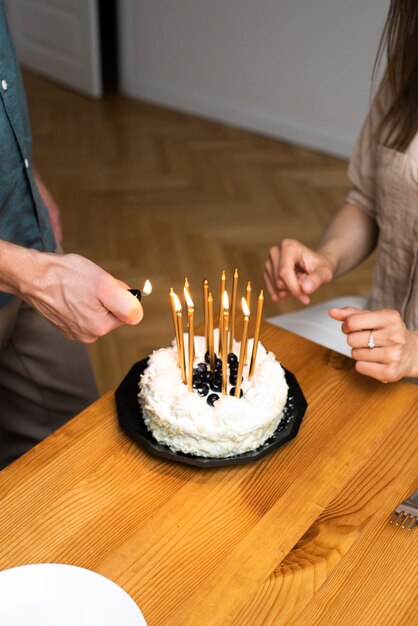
x=400 y=42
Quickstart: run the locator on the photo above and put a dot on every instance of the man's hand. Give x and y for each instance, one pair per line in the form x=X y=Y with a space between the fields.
x=83 y=301
x=294 y=269
x=395 y=354
x=52 y=206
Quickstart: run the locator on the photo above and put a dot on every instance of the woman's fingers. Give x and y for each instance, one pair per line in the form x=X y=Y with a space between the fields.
x=270 y=282
x=357 y=319
x=381 y=344
x=341 y=314
x=277 y=286
x=273 y=261
x=377 y=355
x=293 y=269
x=322 y=274
x=361 y=339
x=290 y=266
x=374 y=370
x=302 y=269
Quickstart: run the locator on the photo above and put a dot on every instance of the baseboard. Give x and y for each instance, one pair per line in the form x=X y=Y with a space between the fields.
x=263 y=122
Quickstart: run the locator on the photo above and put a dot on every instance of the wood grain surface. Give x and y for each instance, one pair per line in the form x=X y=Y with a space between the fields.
x=300 y=537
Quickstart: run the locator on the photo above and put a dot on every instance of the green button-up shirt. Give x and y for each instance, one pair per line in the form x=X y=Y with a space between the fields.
x=23 y=216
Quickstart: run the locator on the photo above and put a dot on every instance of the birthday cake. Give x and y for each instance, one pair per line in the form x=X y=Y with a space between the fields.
x=204 y=421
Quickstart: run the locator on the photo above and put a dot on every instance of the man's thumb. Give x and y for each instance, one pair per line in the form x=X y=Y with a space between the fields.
x=126 y=307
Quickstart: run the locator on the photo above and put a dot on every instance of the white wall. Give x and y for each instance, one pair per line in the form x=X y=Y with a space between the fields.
x=59 y=39
x=295 y=69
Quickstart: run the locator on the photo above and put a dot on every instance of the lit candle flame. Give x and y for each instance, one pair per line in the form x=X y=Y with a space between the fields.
x=245 y=308
x=225 y=301
x=147 y=288
x=189 y=301
x=177 y=303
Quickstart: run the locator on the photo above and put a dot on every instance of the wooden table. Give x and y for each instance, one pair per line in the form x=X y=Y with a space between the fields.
x=301 y=537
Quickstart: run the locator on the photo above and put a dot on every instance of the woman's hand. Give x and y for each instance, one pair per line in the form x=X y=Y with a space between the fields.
x=395 y=352
x=295 y=269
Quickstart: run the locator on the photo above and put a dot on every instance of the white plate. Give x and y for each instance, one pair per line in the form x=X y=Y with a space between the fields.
x=51 y=594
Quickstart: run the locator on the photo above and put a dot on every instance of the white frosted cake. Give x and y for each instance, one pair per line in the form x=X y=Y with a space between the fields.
x=186 y=422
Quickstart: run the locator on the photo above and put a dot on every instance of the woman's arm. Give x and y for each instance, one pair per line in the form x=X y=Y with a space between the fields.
x=349 y=238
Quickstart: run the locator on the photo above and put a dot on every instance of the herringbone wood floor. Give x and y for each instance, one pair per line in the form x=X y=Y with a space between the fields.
x=147 y=192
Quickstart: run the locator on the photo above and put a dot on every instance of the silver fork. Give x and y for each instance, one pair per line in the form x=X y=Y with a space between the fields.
x=406 y=513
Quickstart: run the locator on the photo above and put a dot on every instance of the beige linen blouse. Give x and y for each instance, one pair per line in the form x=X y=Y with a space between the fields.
x=385 y=186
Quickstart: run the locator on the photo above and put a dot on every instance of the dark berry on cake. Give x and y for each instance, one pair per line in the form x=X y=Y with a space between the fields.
x=233 y=378
x=203 y=390
x=208 y=377
x=197 y=381
x=211 y=399
x=232 y=359
x=216 y=385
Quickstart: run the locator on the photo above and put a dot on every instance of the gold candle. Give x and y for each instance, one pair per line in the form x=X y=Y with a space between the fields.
x=248 y=301
x=211 y=340
x=223 y=287
x=248 y=294
x=225 y=324
x=190 y=319
x=256 y=332
x=179 y=316
x=174 y=314
x=205 y=308
x=233 y=311
x=243 y=350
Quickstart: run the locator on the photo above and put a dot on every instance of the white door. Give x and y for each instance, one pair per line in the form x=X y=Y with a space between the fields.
x=59 y=39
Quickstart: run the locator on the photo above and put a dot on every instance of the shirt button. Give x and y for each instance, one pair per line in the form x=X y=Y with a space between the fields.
x=4 y=85
x=26 y=163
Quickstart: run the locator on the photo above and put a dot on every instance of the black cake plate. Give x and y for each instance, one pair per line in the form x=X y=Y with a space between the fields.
x=132 y=423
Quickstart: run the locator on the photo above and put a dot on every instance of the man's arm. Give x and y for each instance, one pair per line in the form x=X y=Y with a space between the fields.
x=83 y=301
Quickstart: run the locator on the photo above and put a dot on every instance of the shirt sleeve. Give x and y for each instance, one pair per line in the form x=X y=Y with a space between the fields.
x=362 y=165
